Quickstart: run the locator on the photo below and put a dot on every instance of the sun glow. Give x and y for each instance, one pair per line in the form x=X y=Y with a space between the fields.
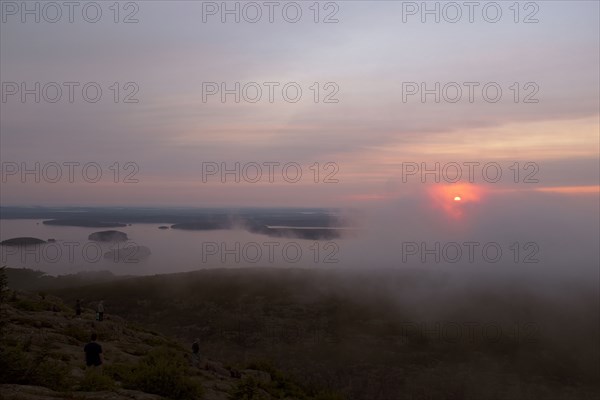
x=455 y=199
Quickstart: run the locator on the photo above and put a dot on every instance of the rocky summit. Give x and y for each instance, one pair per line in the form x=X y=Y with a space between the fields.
x=42 y=358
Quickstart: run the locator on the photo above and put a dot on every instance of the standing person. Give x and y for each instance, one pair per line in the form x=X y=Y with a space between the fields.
x=101 y=310
x=78 y=309
x=196 y=353
x=93 y=352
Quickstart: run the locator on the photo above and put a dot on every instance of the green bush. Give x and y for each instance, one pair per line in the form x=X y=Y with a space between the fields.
x=120 y=372
x=28 y=305
x=17 y=366
x=281 y=386
x=14 y=364
x=94 y=381
x=49 y=373
x=163 y=372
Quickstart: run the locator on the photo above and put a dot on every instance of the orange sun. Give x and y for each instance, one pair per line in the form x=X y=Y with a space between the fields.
x=454 y=198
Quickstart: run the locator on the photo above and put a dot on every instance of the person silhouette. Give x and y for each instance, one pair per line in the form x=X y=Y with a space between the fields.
x=196 y=353
x=100 y=316
x=93 y=352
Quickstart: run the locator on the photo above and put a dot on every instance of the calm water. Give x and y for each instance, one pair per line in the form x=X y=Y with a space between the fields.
x=171 y=250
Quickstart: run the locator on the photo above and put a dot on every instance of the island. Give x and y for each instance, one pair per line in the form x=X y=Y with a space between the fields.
x=84 y=223
x=22 y=241
x=205 y=225
x=108 y=236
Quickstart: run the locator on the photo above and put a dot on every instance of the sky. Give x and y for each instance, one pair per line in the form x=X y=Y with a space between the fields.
x=361 y=135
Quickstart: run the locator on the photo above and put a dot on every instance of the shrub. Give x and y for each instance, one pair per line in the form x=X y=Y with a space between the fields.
x=120 y=372
x=94 y=381
x=16 y=366
x=163 y=372
x=28 y=305
x=49 y=373
x=281 y=386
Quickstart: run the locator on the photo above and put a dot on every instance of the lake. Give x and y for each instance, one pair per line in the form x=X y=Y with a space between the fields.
x=172 y=250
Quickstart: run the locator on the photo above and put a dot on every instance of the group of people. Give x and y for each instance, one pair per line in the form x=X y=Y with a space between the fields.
x=99 y=312
x=93 y=350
